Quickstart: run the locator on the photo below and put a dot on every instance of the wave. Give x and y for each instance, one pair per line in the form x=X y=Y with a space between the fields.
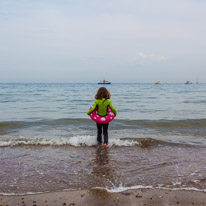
x=170 y=124
x=122 y=188
x=57 y=122
x=72 y=141
x=88 y=141
x=10 y=126
x=187 y=123
x=115 y=189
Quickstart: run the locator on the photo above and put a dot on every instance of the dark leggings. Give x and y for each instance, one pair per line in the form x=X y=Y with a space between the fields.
x=105 y=132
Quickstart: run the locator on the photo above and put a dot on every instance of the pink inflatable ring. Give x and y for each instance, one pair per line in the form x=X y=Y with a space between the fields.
x=102 y=120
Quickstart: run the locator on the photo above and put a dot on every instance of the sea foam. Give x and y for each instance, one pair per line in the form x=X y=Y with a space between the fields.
x=70 y=141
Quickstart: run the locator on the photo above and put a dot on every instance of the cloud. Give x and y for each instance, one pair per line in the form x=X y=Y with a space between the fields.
x=142 y=57
x=140 y=54
x=151 y=57
x=156 y=58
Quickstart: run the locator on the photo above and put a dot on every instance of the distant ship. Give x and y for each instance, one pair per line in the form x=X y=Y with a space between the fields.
x=158 y=83
x=104 y=82
x=188 y=82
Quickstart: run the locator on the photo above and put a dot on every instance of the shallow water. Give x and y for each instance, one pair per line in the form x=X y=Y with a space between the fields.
x=48 y=143
x=41 y=169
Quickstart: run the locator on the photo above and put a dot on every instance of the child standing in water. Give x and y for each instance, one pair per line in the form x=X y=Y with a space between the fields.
x=102 y=104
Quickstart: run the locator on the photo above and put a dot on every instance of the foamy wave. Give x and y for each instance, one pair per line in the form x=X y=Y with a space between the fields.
x=113 y=190
x=122 y=189
x=72 y=141
x=121 y=142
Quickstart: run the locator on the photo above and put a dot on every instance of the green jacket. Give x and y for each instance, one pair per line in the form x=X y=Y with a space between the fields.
x=102 y=105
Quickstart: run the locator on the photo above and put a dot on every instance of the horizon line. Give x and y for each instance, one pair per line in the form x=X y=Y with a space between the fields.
x=97 y=83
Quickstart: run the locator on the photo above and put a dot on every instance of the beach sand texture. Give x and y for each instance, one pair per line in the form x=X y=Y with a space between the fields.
x=98 y=197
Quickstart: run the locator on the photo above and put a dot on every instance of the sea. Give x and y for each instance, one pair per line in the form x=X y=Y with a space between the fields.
x=48 y=142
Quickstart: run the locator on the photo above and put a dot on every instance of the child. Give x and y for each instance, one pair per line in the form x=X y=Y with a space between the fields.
x=102 y=103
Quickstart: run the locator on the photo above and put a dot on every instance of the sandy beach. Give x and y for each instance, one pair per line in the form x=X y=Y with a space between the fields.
x=97 y=197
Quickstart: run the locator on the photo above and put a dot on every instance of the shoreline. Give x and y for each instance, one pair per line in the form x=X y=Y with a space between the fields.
x=101 y=197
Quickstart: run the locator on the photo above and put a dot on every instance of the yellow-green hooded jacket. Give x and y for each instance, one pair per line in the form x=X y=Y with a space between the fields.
x=102 y=105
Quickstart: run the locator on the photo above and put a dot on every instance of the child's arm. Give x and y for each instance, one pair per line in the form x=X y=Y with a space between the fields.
x=113 y=108
x=92 y=109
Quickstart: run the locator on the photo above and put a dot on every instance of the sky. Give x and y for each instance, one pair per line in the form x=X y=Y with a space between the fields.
x=91 y=40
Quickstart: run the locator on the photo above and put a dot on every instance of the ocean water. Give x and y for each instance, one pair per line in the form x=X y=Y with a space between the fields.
x=48 y=143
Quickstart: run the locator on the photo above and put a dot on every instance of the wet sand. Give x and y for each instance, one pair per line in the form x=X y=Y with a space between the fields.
x=96 y=197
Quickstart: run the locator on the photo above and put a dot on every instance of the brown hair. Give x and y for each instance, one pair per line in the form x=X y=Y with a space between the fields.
x=102 y=93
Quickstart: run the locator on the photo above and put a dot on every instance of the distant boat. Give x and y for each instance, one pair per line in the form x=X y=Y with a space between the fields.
x=188 y=82
x=158 y=83
x=104 y=82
